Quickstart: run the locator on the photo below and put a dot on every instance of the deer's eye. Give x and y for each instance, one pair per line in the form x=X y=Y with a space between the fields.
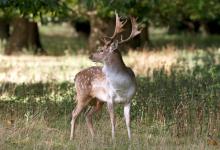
x=101 y=51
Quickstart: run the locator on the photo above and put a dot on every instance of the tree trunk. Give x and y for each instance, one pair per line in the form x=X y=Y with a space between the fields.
x=18 y=38
x=4 y=29
x=82 y=27
x=34 y=38
x=212 y=27
x=144 y=37
x=25 y=34
x=97 y=28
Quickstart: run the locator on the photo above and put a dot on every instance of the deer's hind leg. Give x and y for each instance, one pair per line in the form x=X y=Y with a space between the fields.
x=82 y=102
x=97 y=107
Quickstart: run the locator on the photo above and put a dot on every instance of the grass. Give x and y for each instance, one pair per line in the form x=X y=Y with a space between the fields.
x=160 y=37
x=177 y=103
x=68 y=40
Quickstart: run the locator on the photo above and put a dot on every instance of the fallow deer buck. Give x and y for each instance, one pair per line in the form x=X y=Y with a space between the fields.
x=113 y=83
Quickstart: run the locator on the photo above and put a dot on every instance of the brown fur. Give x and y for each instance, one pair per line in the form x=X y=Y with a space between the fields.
x=83 y=83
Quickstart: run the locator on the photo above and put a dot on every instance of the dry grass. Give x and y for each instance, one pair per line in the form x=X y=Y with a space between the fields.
x=32 y=69
x=143 y=62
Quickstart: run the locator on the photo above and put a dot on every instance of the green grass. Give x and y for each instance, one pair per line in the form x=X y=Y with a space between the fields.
x=61 y=40
x=186 y=41
x=177 y=103
x=173 y=109
x=160 y=38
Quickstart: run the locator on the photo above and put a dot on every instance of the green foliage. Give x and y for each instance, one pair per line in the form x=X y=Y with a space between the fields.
x=158 y=12
x=169 y=11
x=105 y=8
x=37 y=9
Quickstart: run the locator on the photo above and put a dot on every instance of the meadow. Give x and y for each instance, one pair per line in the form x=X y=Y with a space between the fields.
x=177 y=104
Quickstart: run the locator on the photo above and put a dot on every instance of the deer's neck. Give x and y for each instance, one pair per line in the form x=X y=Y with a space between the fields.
x=120 y=79
x=114 y=64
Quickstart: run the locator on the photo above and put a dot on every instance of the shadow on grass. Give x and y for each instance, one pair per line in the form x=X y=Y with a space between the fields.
x=50 y=98
x=186 y=41
x=180 y=100
x=60 y=45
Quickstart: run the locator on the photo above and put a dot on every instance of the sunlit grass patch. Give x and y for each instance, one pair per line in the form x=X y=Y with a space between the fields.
x=27 y=68
x=19 y=69
x=144 y=62
x=46 y=68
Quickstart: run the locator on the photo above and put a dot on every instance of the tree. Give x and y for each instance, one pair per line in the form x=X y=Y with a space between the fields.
x=24 y=17
x=4 y=29
x=101 y=14
x=25 y=34
x=193 y=15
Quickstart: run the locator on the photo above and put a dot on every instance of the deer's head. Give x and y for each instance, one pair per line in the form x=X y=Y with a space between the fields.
x=111 y=43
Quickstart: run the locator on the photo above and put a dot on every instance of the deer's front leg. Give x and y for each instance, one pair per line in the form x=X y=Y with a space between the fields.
x=127 y=108
x=110 y=106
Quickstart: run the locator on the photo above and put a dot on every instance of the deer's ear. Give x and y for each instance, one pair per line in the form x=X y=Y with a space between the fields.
x=113 y=46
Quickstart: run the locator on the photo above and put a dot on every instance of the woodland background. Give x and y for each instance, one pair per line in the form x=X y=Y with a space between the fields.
x=176 y=60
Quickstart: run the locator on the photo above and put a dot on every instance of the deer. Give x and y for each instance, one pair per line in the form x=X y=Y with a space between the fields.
x=113 y=83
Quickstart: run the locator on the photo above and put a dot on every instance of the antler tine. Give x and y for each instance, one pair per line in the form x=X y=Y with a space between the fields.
x=118 y=26
x=135 y=31
x=104 y=40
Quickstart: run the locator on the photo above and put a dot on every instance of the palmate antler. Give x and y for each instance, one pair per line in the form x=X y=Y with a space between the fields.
x=135 y=31
x=119 y=28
